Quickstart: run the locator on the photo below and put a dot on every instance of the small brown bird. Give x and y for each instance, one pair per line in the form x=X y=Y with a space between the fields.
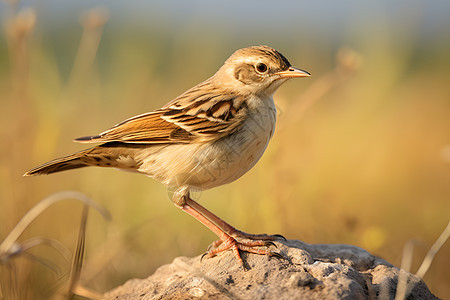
x=206 y=137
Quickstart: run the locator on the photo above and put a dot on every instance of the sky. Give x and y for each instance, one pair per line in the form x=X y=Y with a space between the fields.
x=237 y=16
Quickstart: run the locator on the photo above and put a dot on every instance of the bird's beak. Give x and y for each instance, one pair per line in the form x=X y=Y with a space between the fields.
x=293 y=73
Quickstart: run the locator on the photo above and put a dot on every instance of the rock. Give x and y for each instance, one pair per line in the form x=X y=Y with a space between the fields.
x=306 y=272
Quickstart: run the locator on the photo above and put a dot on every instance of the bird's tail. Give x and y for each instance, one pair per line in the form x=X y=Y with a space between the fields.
x=69 y=162
x=114 y=154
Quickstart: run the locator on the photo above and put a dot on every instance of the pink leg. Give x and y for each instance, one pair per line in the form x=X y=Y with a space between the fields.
x=230 y=230
x=227 y=241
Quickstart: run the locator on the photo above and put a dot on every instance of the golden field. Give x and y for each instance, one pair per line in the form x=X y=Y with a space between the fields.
x=361 y=154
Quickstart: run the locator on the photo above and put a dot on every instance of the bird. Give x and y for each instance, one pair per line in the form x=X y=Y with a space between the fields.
x=208 y=136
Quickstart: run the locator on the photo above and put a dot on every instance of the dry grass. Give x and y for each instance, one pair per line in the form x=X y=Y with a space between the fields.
x=10 y=248
x=360 y=155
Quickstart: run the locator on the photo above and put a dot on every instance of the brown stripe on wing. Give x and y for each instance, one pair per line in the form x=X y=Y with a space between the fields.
x=202 y=113
x=146 y=128
x=219 y=115
x=223 y=110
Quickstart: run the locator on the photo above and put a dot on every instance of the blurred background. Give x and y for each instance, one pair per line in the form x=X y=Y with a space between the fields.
x=361 y=154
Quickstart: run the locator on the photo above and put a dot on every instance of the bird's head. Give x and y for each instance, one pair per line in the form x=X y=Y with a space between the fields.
x=257 y=70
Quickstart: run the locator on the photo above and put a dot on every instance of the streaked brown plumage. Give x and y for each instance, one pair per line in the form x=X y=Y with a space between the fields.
x=209 y=136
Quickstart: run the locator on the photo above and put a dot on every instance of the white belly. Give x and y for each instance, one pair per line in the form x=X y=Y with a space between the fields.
x=204 y=166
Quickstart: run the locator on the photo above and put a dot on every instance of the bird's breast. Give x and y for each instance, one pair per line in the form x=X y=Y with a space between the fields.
x=204 y=165
x=232 y=156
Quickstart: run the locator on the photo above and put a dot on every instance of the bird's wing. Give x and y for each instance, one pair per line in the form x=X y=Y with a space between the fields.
x=190 y=117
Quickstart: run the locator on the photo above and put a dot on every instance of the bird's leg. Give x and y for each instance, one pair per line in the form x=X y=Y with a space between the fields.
x=228 y=242
x=230 y=230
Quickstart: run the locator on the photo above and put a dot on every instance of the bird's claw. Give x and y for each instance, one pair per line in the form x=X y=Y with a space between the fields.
x=276 y=255
x=280 y=237
x=238 y=246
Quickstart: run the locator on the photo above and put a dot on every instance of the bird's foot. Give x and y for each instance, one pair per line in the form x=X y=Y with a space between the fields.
x=237 y=234
x=253 y=246
x=230 y=237
x=263 y=237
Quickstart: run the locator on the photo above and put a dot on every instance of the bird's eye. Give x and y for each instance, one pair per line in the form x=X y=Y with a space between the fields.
x=261 y=68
